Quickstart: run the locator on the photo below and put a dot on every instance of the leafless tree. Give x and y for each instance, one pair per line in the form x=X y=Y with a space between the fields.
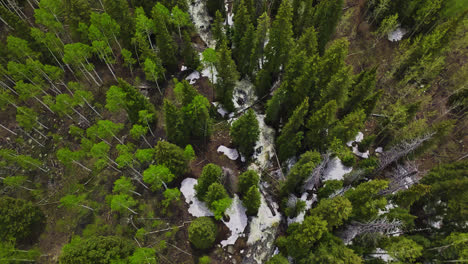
x=314 y=178
x=401 y=150
x=402 y=177
x=382 y=226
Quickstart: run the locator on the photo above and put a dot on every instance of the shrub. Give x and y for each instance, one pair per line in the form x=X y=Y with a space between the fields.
x=246 y=180
x=202 y=232
x=211 y=173
x=252 y=200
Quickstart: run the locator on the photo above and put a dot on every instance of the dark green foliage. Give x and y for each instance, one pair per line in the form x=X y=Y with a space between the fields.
x=215 y=6
x=211 y=174
x=226 y=77
x=447 y=196
x=191 y=58
x=252 y=200
x=246 y=180
x=332 y=250
x=17 y=27
x=202 y=232
x=172 y=157
x=325 y=18
x=119 y=11
x=20 y=220
x=164 y=41
x=290 y=140
x=335 y=211
x=347 y=128
x=96 y=249
x=329 y=188
x=305 y=235
x=245 y=132
x=127 y=97
x=366 y=199
x=278 y=259
x=318 y=124
x=215 y=192
x=300 y=171
x=174 y=124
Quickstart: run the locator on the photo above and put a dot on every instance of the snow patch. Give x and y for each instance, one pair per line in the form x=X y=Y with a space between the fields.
x=230 y=21
x=193 y=77
x=196 y=207
x=382 y=254
x=264 y=148
x=201 y=19
x=397 y=34
x=232 y=154
x=223 y=112
x=243 y=95
x=379 y=150
x=183 y=68
x=265 y=219
x=335 y=170
x=364 y=155
x=300 y=217
x=207 y=73
x=359 y=137
x=237 y=221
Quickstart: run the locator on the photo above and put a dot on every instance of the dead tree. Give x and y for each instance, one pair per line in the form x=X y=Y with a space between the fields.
x=314 y=178
x=381 y=226
x=401 y=150
x=402 y=177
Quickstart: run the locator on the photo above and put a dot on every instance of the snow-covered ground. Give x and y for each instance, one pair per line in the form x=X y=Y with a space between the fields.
x=335 y=170
x=359 y=137
x=193 y=77
x=232 y=154
x=201 y=19
x=237 y=221
x=382 y=254
x=397 y=34
x=264 y=220
x=197 y=208
x=309 y=201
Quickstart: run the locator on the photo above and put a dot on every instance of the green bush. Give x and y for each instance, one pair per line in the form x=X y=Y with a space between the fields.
x=204 y=260
x=244 y=132
x=96 y=250
x=202 y=232
x=172 y=156
x=19 y=220
x=252 y=200
x=246 y=180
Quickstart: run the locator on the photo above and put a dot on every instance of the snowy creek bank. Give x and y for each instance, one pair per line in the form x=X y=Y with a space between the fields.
x=202 y=21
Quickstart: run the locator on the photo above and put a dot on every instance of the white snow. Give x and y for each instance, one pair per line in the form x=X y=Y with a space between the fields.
x=364 y=155
x=196 y=207
x=264 y=156
x=220 y=109
x=201 y=19
x=397 y=34
x=335 y=170
x=379 y=150
x=183 y=68
x=207 y=73
x=230 y=22
x=237 y=221
x=276 y=252
x=300 y=217
x=243 y=95
x=436 y=224
x=232 y=154
x=359 y=137
x=382 y=254
x=263 y=221
x=193 y=77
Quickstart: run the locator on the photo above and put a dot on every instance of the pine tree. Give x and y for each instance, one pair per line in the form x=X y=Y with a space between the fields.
x=347 y=128
x=362 y=88
x=218 y=29
x=325 y=18
x=280 y=39
x=247 y=180
x=197 y=117
x=252 y=200
x=226 y=77
x=174 y=124
x=119 y=11
x=245 y=51
x=211 y=173
x=258 y=52
x=241 y=23
x=191 y=57
x=164 y=42
x=245 y=132
x=290 y=140
x=318 y=124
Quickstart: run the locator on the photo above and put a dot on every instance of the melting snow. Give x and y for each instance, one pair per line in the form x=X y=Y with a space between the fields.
x=363 y=155
x=237 y=221
x=220 y=109
x=382 y=254
x=397 y=34
x=207 y=73
x=263 y=221
x=193 y=77
x=201 y=19
x=300 y=217
x=359 y=137
x=196 y=207
x=183 y=68
x=232 y=154
x=335 y=170
x=229 y=19
x=379 y=150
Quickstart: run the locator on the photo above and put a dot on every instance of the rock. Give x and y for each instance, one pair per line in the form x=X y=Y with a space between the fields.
x=230 y=249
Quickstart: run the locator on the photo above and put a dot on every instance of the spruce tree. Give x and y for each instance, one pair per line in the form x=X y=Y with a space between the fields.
x=245 y=132
x=211 y=173
x=241 y=23
x=164 y=41
x=252 y=200
x=290 y=140
x=325 y=18
x=318 y=124
x=191 y=57
x=176 y=132
x=226 y=78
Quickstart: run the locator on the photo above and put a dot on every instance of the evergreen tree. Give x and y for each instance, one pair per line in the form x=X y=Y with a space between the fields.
x=226 y=77
x=191 y=58
x=218 y=29
x=119 y=11
x=325 y=18
x=366 y=200
x=164 y=42
x=241 y=24
x=362 y=88
x=211 y=173
x=171 y=156
x=246 y=180
x=245 y=132
x=318 y=124
x=252 y=200
x=174 y=124
x=280 y=39
x=257 y=59
x=290 y=140
x=202 y=232
x=348 y=127
x=197 y=117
